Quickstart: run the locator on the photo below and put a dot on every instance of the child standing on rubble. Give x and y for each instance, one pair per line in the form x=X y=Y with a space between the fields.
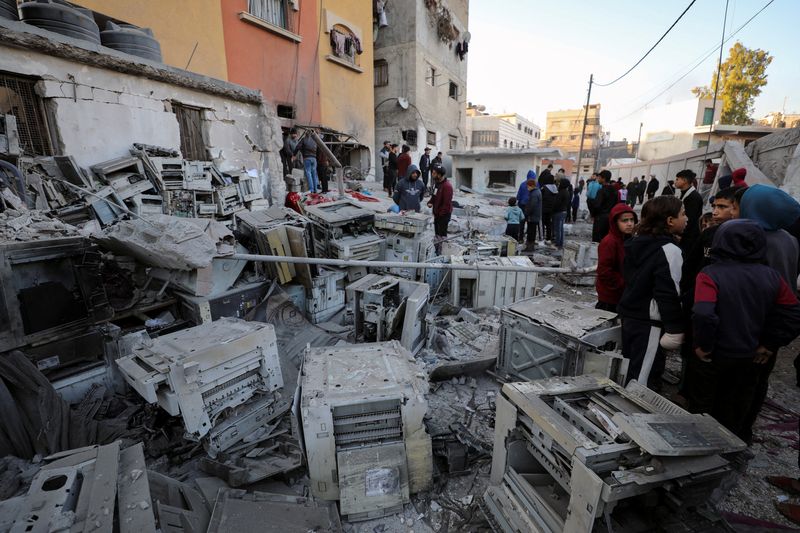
x=611 y=255
x=514 y=217
x=650 y=307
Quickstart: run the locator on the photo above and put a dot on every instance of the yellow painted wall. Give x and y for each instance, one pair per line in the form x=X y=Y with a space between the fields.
x=178 y=25
x=347 y=97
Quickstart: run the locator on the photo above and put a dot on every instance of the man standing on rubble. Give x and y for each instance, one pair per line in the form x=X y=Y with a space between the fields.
x=384 y=155
x=288 y=153
x=410 y=191
x=442 y=205
x=425 y=165
x=403 y=161
x=692 y=204
x=308 y=147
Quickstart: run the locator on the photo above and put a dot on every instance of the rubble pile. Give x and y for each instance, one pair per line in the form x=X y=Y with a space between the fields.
x=191 y=386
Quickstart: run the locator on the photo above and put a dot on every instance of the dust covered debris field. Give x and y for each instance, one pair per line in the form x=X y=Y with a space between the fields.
x=147 y=360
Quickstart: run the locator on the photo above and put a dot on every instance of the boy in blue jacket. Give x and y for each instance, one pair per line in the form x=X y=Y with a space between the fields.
x=514 y=218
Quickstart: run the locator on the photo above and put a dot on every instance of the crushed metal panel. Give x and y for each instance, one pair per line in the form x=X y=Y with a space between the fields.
x=690 y=434
x=238 y=510
x=235 y=303
x=200 y=372
x=345 y=230
x=366 y=396
x=373 y=481
x=297 y=248
x=179 y=508
x=480 y=289
x=134 y=504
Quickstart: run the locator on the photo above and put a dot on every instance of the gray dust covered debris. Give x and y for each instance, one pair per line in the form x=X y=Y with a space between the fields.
x=193 y=389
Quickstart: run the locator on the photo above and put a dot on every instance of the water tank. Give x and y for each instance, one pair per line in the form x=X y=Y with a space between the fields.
x=59 y=17
x=131 y=40
x=8 y=9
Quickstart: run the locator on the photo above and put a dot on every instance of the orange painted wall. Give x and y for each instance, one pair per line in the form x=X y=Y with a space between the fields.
x=286 y=72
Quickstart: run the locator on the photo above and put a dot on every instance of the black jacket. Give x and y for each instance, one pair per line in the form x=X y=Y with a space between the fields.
x=605 y=200
x=693 y=205
x=562 y=200
x=424 y=164
x=652 y=270
x=549 y=193
x=652 y=186
x=546 y=178
x=741 y=304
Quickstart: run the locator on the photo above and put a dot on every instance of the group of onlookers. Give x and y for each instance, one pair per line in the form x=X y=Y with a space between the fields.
x=720 y=287
x=397 y=167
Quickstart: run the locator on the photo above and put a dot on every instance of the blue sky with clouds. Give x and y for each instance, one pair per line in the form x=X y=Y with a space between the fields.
x=534 y=56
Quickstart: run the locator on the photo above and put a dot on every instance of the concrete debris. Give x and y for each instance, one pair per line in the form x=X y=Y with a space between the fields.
x=32 y=225
x=169 y=242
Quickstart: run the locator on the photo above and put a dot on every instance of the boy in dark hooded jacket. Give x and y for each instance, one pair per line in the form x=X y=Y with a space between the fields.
x=610 y=257
x=410 y=191
x=743 y=312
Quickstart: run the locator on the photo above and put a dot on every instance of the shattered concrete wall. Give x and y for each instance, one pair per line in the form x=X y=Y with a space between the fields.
x=100 y=106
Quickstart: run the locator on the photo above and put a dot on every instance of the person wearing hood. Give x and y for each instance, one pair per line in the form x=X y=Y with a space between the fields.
x=738 y=177
x=410 y=191
x=560 y=208
x=611 y=256
x=522 y=201
x=743 y=312
x=547 y=177
x=533 y=214
x=650 y=306
x=774 y=211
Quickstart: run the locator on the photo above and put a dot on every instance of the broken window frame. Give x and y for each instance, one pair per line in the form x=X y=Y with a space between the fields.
x=286 y=111
x=274 y=12
x=453 y=142
x=352 y=57
x=190 y=125
x=381 y=73
x=35 y=133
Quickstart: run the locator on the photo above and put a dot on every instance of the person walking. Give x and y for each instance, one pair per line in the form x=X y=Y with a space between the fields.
x=633 y=192
x=442 y=205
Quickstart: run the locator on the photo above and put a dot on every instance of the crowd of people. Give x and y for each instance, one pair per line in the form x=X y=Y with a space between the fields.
x=721 y=287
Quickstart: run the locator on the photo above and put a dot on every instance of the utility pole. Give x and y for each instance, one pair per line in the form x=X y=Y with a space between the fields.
x=583 y=132
x=639 y=139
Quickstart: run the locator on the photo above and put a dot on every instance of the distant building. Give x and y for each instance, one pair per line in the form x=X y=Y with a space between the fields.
x=420 y=75
x=563 y=131
x=683 y=126
x=615 y=150
x=509 y=130
x=483 y=169
x=777 y=119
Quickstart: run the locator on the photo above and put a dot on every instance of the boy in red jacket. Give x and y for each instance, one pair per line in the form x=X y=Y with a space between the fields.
x=610 y=256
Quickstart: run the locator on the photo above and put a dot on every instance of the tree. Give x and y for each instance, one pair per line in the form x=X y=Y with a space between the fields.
x=743 y=75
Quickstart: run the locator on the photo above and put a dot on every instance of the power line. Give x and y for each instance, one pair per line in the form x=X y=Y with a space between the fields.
x=700 y=62
x=651 y=48
x=719 y=71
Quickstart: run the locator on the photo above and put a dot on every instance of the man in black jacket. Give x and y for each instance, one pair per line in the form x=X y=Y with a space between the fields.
x=425 y=165
x=605 y=200
x=692 y=204
x=652 y=187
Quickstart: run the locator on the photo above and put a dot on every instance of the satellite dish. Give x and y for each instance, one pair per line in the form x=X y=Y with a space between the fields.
x=467 y=36
x=402 y=102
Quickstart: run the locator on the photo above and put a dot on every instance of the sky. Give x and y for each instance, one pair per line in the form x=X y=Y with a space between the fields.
x=534 y=56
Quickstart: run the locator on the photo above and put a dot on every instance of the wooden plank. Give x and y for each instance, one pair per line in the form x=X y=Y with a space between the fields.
x=297 y=246
x=135 y=505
